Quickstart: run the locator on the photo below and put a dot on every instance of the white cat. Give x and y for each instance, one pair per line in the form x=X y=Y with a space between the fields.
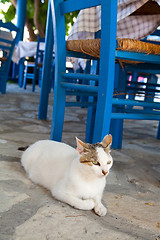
x=76 y=177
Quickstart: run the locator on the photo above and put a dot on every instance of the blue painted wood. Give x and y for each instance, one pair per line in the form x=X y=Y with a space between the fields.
x=150 y=90
x=82 y=87
x=118 y=101
x=21 y=72
x=21 y=18
x=60 y=54
x=107 y=107
x=156 y=32
x=60 y=66
x=72 y=5
x=7 y=52
x=141 y=111
x=106 y=74
x=158 y=132
x=80 y=76
x=47 y=67
x=91 y=109
x=38 y=60
x=144 y=68
x=136 y=116
x=137 y=56
x=149 y=87
x=79 y=55
x=80 y=104
x=116 y=127
x=34 y=66
x=76 y=93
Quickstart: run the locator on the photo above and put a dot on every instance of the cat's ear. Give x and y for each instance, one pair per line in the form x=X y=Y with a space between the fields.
x=80 y=146
x=107 y=141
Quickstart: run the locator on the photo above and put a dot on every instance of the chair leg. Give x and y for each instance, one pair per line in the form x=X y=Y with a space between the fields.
x=131 y=93
x=36 y=73
x=94 y=69
x=90 y=124
x=107 y=69
x=21 y=72
x=149 y=96
x=58 y=114
x=158 y=132
x=52 y=76
x=25 y=77
x=3 y=84
x=116 y=129
x=47 y=65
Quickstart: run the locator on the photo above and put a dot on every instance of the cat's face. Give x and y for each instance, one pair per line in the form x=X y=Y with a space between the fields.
x=96 y=156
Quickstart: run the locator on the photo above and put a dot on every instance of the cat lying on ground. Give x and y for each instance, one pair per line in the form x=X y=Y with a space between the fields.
x=74 y=176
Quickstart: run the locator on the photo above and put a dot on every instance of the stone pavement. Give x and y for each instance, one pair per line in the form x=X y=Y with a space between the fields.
x=28 y=212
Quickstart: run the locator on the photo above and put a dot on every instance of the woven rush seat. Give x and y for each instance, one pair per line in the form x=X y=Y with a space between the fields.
x=92 y=46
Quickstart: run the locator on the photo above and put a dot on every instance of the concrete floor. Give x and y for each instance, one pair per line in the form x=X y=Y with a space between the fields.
x=28 y=212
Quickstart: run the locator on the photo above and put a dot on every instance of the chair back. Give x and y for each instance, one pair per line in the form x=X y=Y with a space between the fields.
x=7 y=44
x=39 y=52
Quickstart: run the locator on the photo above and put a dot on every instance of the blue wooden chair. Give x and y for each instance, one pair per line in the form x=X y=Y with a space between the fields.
x=63 y=86
x=6 y=51
x=106 y=110
x=33 y=70
x=147 y=92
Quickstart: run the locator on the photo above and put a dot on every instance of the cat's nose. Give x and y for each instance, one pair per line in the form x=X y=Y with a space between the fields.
x=104 y=173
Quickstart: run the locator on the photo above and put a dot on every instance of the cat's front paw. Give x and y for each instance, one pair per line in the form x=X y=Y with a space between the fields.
x=100 y=210
x=88 y=204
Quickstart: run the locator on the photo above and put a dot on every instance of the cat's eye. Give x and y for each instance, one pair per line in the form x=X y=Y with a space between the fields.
x=109 y=162
x=96 y=163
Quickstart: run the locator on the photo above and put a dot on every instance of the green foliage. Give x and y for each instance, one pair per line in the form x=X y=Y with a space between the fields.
x=4 y=1
x=43 y=13
x=10 y=14
x=69 y=20
x=30 y=9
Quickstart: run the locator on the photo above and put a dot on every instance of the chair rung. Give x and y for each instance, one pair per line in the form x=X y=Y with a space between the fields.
x=142 y=90
x=118 y=101
x=141 y=111
x=135 y=56
x=29 y=75
x=79 y=55
x=138 y=116
x=79 y=93
x=80 y=76
x=3 y=47
x=80 y=104
x=80 y=87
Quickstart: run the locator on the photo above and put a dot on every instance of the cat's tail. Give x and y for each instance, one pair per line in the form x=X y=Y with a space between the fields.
x=29 y=156
x=22 y=148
